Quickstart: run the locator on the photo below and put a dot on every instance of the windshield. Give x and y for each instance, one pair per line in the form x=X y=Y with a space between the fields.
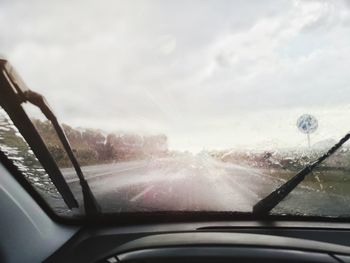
x=187 y=105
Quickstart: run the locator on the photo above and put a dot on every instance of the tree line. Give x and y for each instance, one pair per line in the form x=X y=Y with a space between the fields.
x=93 y=146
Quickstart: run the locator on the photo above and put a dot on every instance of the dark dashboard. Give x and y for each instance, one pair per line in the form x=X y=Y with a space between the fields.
x=209 y=242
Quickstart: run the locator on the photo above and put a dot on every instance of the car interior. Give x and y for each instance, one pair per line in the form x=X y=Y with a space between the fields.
x=70 y=194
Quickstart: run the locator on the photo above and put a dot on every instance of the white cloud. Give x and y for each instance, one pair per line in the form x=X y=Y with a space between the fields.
x=208 y=73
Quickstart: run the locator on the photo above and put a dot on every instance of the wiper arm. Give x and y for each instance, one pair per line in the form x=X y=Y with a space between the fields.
x=11 y=90
x=90 y=204
x=265 y=205
x=14 y=92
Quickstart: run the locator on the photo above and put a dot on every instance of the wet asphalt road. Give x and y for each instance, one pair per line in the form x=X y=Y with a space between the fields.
x=183 y=183
x=193 y=183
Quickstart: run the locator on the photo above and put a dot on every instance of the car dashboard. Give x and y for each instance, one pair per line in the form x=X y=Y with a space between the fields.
x=209 y=242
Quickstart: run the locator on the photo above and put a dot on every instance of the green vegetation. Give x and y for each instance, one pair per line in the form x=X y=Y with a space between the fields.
x=332 y=176
x=288 y=159
x=97 y=147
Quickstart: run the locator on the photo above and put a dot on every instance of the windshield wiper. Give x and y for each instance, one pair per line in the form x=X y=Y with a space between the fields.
x=90 y=204
x=14 y=93
x=265 y=205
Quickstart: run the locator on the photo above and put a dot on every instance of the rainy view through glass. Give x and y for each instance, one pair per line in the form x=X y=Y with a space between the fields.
x=187 y=105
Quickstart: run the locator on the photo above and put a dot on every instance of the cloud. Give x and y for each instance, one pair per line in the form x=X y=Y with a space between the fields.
x=185 y=68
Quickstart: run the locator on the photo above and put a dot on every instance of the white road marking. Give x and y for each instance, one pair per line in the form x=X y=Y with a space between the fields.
x=146 y=190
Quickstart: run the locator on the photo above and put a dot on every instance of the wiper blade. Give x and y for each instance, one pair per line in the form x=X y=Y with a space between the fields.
x=265 y=205
x=90 y=204
x=13 y=93
x=10 y=100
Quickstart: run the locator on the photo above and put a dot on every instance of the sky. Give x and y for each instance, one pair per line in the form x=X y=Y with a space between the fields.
x=209 y=74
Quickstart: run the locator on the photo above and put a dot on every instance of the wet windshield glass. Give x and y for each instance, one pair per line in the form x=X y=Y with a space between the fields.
x=191 y=105
x=19 y=152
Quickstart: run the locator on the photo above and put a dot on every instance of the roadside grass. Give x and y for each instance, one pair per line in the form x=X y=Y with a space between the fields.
x=329 y=180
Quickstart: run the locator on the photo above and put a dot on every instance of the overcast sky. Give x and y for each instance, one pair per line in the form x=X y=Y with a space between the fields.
x=209 y=74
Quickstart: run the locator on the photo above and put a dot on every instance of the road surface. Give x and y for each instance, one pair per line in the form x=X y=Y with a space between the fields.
x=193 y=183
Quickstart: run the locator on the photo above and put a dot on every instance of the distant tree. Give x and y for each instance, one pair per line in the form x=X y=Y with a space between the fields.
x=93 y=147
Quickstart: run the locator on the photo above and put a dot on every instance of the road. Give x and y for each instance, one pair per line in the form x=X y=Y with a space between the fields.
x=193 y=183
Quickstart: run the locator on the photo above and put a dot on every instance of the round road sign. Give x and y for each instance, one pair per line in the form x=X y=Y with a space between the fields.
x=307 y=123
